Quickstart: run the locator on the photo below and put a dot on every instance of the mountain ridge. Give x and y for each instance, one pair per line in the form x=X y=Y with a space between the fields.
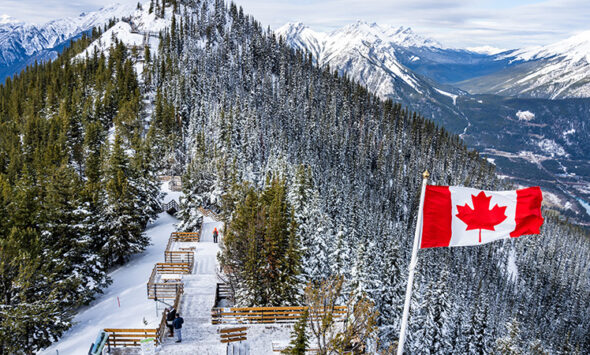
x=23 y=43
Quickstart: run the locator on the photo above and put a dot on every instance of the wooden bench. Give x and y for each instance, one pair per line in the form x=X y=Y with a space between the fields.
x=230 y=335
x=129 y=337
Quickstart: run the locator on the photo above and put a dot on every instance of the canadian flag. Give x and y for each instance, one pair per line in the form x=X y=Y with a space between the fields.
x=459 y=216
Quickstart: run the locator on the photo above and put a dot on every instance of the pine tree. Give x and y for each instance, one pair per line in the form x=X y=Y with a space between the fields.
x=436 y=306
x=121 y=218
x=299 y=338
x=262 y=248
x=510 y=344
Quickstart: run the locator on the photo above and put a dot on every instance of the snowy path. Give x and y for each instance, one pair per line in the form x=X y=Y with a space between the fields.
x=199 y=335
x=129 y=285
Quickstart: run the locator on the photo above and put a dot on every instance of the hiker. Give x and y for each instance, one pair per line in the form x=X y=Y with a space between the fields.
x=178 y=327
x=170 y=319
x=215 y=234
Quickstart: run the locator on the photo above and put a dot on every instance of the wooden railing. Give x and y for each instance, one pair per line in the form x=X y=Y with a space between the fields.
x=173 y=268
x=157 y=290
x=222 y=292
x=209 y=213
x=165 y=290
x=173 y=256
x=185 y=237
x=129 y=337
x=169 y=206
x=230 y=335
x=163 y=328
x=241 y=315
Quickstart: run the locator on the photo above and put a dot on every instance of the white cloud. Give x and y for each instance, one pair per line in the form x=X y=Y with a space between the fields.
x=455 y=23
x=41 y=11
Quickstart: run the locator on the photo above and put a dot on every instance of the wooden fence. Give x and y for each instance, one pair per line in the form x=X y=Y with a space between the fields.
x=173 y=256
x=163 y=329
x=170 y=207
x=157 y=290
x=230 y=335
x=209 y=213
x=129 y=337
x=222 y=292
x=241 y=315
x=185 y=236
x=173 y=268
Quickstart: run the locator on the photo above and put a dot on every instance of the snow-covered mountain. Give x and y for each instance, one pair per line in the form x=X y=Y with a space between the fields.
x=22 y=43
x=372 y=55
x=555 y=71
x=366 y=52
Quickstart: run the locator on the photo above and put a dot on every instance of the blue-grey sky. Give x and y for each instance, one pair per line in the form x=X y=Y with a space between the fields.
x=455 y=23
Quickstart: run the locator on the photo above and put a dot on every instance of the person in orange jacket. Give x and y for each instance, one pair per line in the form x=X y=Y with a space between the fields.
x=215 y=234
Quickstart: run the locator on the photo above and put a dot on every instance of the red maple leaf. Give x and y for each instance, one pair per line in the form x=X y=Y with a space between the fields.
x=481 y=217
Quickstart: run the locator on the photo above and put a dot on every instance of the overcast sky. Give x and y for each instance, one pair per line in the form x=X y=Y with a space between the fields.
x=454 y=23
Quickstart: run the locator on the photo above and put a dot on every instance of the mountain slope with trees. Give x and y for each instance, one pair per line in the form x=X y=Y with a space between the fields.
x=330 y=172
x=78 y=188
x=251 y=107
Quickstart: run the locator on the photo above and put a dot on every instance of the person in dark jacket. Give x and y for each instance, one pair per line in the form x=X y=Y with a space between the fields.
x=215 y=234
x=178 y=327
x=170 y=319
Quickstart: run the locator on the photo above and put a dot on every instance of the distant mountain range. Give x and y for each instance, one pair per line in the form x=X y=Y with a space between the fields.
x=22 y=44
x=556 y=71
x=504 y=103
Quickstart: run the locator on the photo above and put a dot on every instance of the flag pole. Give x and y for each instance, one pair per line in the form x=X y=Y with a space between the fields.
x=412 y=267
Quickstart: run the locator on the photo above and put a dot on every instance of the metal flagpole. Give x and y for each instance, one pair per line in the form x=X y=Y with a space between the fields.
x=412 y=267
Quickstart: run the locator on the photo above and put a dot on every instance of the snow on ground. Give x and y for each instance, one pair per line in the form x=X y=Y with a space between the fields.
x=141 y=28
x=585 y=204
x=199 y=335
x=525 y=115
x=452 y=96
x=129 y=286
x=511 y=265
x=486 y=50
x=170 y=195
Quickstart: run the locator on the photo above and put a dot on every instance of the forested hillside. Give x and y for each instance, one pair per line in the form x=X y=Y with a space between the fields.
x=251 y=107
x=77 y=189
x=258 y=130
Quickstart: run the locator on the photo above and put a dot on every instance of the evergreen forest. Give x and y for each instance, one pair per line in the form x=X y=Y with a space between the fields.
x=314 y=176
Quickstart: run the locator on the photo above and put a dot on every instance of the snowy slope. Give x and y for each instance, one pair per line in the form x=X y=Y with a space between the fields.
x=372 y=55
x=21 y=42
x=366 y=52
x=128 y=289
x=139 y=28
x=555 y=71
x=129 y=286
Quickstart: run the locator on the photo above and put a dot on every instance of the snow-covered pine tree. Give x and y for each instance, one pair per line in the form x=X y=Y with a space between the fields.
x=436 y=306
x=510 y=343
x=121 y=217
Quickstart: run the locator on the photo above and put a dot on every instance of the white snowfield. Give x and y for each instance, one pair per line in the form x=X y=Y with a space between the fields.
x=137 y=311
